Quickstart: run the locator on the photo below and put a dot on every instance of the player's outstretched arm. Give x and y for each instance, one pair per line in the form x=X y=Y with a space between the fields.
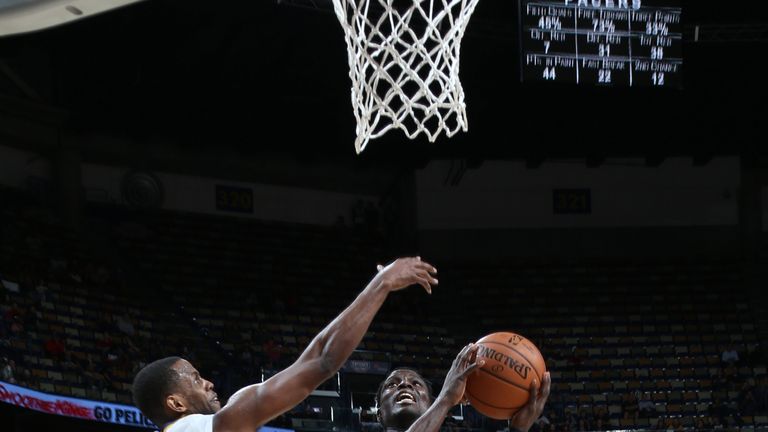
x=255 y=405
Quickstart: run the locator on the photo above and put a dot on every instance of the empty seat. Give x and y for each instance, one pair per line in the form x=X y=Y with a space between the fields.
x=674 y=409
x=627 y=423
x=614 y=410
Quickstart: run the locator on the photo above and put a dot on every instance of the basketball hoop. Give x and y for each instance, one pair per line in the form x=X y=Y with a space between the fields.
x=404 y=65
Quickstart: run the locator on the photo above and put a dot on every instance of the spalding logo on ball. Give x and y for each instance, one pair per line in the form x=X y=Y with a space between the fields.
x=502 y=386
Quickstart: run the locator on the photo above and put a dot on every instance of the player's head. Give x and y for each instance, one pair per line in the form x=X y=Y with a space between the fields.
x=170 y=388
x=402 y=398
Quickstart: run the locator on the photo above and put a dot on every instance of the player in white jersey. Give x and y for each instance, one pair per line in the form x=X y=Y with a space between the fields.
x=173 y=395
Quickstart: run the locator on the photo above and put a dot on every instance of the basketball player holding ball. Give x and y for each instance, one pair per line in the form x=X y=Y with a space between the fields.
x=405 y=401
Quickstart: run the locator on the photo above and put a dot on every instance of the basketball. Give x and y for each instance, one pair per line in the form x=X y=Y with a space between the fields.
x=501 y=386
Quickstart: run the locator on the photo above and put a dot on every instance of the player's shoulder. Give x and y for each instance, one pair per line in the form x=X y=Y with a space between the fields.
x=192 y=423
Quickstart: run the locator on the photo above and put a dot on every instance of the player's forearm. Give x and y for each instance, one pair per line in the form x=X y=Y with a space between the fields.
x=334 y=344
x=433 y=418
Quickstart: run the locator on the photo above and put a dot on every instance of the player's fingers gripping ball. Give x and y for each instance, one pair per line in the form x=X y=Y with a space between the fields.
x=502 y=385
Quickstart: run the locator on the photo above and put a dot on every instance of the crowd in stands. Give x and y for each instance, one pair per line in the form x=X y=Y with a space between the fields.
x=69 y=321
x=736 y=400
x=31 y=322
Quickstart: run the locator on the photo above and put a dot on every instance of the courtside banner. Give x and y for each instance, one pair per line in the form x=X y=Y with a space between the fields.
x=73 y=407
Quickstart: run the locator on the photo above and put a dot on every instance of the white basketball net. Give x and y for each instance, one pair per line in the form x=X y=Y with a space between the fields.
x=404 y=65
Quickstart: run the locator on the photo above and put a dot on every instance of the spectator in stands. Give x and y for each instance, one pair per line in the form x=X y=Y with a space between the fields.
x=7 y=370
x=405 y=401
x=646 y=406
x=173 y=395
x=730 y=356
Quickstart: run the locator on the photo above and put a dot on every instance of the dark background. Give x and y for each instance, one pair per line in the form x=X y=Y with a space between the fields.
x=269 y=77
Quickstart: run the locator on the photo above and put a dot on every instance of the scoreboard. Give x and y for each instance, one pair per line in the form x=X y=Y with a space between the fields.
x=602 y=42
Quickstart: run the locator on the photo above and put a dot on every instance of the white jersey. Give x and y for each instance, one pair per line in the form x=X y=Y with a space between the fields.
x=192 y=423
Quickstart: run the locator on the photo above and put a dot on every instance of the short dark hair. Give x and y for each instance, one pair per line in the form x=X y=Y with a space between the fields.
x=381 y=385
x=150 y=387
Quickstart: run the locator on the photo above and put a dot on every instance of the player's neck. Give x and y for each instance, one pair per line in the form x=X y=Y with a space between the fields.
x=401 y=422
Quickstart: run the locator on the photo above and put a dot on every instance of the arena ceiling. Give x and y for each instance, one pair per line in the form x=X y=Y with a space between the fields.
x=269 y=76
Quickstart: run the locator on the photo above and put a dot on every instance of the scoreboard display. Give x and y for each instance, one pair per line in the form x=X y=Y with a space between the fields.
x=620 y=43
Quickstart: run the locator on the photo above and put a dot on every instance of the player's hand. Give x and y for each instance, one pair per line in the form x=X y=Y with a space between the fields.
x=531 y=412
x=456 y=380
x=405 y=272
